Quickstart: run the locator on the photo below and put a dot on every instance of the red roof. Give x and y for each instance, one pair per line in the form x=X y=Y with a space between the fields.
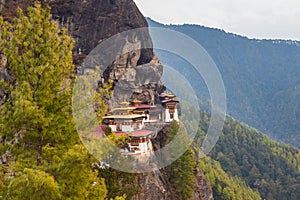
x=144 y=106
x=163 y=95
x=137 y=133
x=99 y=131
x=169 y=100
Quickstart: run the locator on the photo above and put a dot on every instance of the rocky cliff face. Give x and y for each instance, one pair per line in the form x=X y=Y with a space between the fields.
x=92 y=21
x=155 y=185
x=202 y=189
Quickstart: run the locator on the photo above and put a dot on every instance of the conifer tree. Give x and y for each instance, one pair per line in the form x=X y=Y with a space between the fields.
x=36 y=124
x=32 y=184
x=181 y=175
x=38 y=109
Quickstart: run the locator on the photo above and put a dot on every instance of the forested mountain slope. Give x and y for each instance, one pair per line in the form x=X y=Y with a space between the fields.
x=261 y=78
x=270 y=167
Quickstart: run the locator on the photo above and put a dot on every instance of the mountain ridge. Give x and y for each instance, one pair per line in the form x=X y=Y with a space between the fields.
x=288 y=41
x=260 y=76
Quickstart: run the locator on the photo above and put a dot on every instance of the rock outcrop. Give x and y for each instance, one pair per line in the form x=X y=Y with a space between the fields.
x=91 y=22
x=202 y=189
x=155 y=185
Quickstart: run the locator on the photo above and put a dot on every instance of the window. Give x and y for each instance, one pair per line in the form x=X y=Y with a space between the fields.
x=171 y=115
x=119 y=127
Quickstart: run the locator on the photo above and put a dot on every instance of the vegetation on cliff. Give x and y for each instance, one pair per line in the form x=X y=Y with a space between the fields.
x=225 y=186
x=181 y=173
x=43 y=156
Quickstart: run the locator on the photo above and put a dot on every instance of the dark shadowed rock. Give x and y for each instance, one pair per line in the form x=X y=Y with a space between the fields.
x=90 y=22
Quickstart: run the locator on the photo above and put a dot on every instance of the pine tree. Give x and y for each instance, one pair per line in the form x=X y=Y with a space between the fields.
x=33 y=184
x=75 y=176
x=36 y=120
x=36 y=124
x=181 y=174
x=38 y=109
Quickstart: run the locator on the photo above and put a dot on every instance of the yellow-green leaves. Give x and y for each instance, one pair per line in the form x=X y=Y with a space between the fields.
x=37 y=111
x=40 y=60
x=33 y=184
x=75 y=176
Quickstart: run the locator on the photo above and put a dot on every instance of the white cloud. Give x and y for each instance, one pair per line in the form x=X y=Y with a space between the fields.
x=255 y=18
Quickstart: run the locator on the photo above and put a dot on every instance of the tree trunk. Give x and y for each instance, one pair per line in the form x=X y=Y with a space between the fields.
x=40 y=151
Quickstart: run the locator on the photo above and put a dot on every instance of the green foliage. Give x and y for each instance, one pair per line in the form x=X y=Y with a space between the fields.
x=225 y=186
x=102 y=95
x=119 y=183
x=88 y=98
x=119 y=140
x=45 y=158
x=75 y=176
x=32 y=184
x=37 y=131
x=181 y=172
x=270 y=167
x=120 y=197
x=37 y=111
x=181 y=175
x=172 y=132
x=107 y=131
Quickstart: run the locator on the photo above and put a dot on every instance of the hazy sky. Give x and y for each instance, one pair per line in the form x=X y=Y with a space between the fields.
x=251 y=18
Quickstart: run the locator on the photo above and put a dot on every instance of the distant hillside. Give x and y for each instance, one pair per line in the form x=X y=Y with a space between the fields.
x=262 y=78
x=269 y=167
